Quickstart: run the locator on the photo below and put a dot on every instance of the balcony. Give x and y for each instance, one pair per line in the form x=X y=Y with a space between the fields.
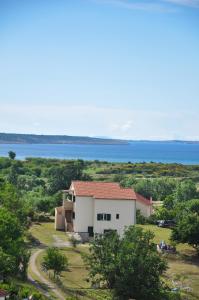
x=68 y=204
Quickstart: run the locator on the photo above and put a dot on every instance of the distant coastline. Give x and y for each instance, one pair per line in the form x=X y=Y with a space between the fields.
x=18 y=138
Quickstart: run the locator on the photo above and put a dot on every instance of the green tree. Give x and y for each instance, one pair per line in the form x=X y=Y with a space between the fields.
x=7 y=265
x=187 y=230
x=158 y=189
x=11 y=200
x=13 y=175
x=14 y=255
x=130 y=265
x=186 y=190
x=11 y=155
x=54 y=261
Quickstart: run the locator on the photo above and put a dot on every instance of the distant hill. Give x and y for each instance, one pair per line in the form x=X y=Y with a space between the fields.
x=16 y=138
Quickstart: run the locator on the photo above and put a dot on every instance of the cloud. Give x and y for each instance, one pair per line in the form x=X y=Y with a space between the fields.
x=153 y=5
x=190 y=3
x=98 y=121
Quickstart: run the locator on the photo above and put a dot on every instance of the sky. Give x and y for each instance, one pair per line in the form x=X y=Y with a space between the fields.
x=107 y=68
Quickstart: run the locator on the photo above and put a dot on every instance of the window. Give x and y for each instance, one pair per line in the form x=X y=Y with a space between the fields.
x=73 y=215
x=99 y=217
x=107 y=217
x=104 y=217
x=117 y=216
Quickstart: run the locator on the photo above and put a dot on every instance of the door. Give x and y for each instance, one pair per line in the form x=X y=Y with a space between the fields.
x=90 y=231
x=68 y=216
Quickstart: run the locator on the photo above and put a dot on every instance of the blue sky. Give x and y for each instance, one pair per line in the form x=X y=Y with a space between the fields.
x=116 y=68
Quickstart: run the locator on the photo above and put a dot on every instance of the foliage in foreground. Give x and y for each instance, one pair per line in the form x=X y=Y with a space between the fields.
x=13 y=253
x=187 y=228
x=20 y=290
x=130 y=266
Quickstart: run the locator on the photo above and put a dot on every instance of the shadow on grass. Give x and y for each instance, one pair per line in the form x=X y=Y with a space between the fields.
x=83 y=293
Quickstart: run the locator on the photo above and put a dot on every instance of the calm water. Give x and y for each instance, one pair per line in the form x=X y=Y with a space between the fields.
x=135 y=152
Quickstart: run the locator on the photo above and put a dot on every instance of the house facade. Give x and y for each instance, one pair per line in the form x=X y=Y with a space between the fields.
x=95 y=207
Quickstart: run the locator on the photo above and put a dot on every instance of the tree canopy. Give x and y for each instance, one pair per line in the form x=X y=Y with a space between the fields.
x=54 y=260
x=129 y=266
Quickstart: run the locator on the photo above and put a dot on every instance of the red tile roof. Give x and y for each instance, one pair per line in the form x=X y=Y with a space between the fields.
x=106 y=190
x=3 y=293
x=142 y=199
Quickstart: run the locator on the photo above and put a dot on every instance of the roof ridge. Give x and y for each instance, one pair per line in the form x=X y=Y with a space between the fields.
x=89 y=181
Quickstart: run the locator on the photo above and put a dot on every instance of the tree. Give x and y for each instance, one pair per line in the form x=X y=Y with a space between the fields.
x=130 y=265
x=13 y=175
x=186 y=190
x=13 y=253
x=187 y=230
x=158 y=189
x=7 y=265
x=55 y=261
x=9 y=198
x=11 y=155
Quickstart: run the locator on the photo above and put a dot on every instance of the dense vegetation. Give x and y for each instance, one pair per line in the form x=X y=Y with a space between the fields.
x=30 y=189
x=130 y=266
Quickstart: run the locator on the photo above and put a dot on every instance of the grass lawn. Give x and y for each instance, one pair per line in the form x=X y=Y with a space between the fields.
x=44 y=232
x=183 y=266
x=75 y=276
x=73 y=282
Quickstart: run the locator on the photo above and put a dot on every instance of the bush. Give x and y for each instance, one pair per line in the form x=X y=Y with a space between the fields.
x=140 y=219
x=42 y=217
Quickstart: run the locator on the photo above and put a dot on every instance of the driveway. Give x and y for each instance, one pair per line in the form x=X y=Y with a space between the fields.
x=47 y=285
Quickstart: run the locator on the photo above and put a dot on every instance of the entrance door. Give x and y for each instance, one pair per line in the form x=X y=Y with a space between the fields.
x=68 y=216
x=90 y=231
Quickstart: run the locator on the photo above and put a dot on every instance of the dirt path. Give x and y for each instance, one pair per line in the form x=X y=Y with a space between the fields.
x=58 y=242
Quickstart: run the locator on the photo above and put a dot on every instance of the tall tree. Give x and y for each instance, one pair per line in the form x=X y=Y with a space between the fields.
x=186 y=190
x=13 y=253
x=130 y=266
x=54 y=260
x=187 y=227
x=11 y=154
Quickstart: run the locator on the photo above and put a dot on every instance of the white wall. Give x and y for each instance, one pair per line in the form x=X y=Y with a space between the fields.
x=83 y=208
x=125 y=209
x=144 y=209
x=59 y=218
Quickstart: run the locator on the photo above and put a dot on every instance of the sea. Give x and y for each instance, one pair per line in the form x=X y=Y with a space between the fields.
x=165 y=152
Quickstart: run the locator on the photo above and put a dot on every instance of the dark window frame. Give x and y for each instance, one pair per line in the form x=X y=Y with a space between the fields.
x=100 y=217
x=107 y=217
x=103 y=217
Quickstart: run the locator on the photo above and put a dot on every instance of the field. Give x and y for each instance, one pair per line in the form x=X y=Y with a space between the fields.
x=73 y=282
x=183 y=267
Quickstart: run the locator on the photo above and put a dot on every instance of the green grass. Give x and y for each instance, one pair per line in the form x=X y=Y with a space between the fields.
x=183 y=267
x=73 y=282
x=165 y=234
x=44 y=233
x=76 y=275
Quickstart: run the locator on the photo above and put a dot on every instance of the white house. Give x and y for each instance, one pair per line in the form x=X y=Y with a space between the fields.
x=95 y=207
